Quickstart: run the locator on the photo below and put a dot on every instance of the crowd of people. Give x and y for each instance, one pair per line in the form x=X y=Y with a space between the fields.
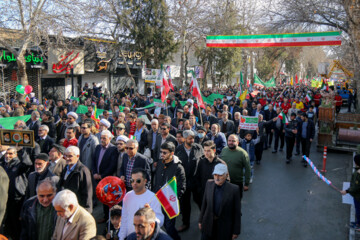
x=50 y=188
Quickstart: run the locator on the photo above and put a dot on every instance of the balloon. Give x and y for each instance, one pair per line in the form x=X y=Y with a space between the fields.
x=28 y=89
x=110 y=190
x=20 y=89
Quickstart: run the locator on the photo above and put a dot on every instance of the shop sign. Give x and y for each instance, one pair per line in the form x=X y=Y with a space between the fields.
x=133 y=59
x=61 y=61
x=32 y=58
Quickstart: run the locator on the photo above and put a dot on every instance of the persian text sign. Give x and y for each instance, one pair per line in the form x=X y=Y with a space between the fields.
x=249 y=123
x=62 y=61
x=276 y=40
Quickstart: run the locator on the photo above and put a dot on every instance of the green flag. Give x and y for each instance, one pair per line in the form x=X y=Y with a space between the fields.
x=82 y=109
x=271 y=83
x=241 y=78
x=258 y=82
x=8 y=122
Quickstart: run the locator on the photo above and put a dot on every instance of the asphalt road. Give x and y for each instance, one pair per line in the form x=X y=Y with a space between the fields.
x=288 y=201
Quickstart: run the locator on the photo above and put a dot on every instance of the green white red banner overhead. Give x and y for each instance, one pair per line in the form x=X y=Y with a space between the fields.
x=275 y=40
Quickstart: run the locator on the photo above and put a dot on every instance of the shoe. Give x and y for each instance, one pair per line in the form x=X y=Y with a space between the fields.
x=251 y=180
x=274 y=151
x=280 y=149
x=257 y=162
x=297 y=154
x=183 y=228
x=101 y=220
x=288 y=161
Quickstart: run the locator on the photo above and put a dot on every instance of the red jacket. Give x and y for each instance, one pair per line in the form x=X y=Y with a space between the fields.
x=317 y=98
x=285 y=107
x=72 y=142
x=338 y=100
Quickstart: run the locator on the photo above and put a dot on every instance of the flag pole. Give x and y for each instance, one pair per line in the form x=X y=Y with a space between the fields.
x=200 y=115
x=167 y=110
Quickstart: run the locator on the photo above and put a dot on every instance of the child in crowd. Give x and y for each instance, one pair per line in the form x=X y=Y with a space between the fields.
x=248 y=144
x=354 y=191
x=115 y=223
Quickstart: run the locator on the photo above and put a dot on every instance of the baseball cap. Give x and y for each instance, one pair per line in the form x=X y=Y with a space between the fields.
x=220 y=169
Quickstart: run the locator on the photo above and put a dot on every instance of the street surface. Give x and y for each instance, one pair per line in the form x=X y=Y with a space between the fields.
x=288 y=201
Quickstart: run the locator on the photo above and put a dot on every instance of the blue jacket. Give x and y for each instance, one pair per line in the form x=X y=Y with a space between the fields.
x=158 y=234
x=219 y=140
x=251 y=150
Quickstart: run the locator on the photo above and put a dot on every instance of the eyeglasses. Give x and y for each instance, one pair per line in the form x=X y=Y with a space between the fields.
x=163 y=152
x=84 y=128
x=163 y=128
x=129 y=148
x=138 y=181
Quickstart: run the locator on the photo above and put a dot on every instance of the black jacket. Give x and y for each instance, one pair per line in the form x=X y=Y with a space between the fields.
x=47 y=145
x=164 y=172
x=169 y=138
x=211 y=118
x=143 y=140
x=289 y=127
x=4 y=189
x=230 y=127
x=268 y=116
x=140 y=162
x=35 y=127
x=28 y=219
x=34 y=178
x=78 y=181
x=108 y=163
x=190 y=163
x=52 y=127
x=310 y=129
x=16 y=171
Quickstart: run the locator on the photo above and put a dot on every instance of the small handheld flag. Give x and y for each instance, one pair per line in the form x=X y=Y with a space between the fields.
x=168 y=198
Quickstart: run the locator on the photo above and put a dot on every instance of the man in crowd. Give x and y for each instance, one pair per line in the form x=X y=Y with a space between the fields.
x=70 y=139
x=48 y=120
x=34 y=123
x=170 y=166
x=44 y=140
x=206 y=167
x=77 y=178
x=164 y=136
x=307 y=134
x=278 y=132
x=131 y=160
x=238 y=163
x=73 y=221
x=38 y=215
x=103 y=125
x=218 y=137
x=146 y=226
x=121 y=144
x=290 y=136
x=220 y=216
x=57 y=161
x=201 y=136
x=17 y=172
x=226 y=125
x=141 y=133
x=87 y=144
x=152 y=135
x=4 y=189
x=210 y=117
x=189 y=154
x=135 y=199
x=41 y=172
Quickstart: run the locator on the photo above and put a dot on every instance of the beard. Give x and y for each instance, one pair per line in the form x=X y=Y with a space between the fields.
x=232 y=147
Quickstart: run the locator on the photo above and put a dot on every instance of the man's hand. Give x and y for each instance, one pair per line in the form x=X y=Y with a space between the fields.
x=311 y=139
x=200 y=226
x=275 y=119
x=234 y=236
x=246 y=188
x=272 y=130
x=97 y=176
x=343 y=192
x=122 y=178
x=146 y=111
x=108 y=236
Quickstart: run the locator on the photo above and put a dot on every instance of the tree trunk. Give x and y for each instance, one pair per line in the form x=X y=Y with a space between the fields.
x=128 y=71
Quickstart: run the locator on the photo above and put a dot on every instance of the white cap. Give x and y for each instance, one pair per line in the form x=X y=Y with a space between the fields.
x=220 y=169
x=105 y=122
x=73 y=114
x=122 y=138
x=190 y=101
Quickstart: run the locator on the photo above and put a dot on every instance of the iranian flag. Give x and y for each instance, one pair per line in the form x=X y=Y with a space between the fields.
x=308 y=97
x=168 y=71
x=164 y=87
x=168 y=199
x=258 y=82
x=275 y=40
x=324 y=86
x=283 y=118
x=195 y=89
x=238 y=94
x=94 y=115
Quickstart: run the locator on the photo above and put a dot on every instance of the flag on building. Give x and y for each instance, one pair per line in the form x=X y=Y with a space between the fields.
x=308 y=97
x=258 y=82
x=168 y=198
x=94 y=115
x=168 y=71
x=195 y=89
x=283 y=118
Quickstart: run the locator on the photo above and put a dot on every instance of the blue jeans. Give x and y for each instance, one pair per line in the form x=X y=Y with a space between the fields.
x=357 y=212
